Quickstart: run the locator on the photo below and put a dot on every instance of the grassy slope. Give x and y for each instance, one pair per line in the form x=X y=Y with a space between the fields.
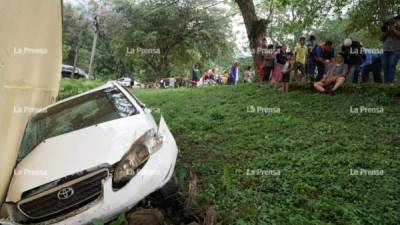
x=71 y=87
x=314 y=142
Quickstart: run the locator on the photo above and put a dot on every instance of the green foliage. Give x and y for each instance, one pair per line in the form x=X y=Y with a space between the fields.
x=97 y=222
x=314 y=142
x=71 y=87
x=369 y=15
x=333 y=30
x=227 y=177
x=295 y=18
x=180 y=32
x=183 y=34
x=337 y=19
x=119 y=221
x=76 y=34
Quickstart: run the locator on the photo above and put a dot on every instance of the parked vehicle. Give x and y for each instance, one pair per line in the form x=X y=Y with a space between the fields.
x=66 y=72
x=170 y=82
x=129 y=82
x=94 y=155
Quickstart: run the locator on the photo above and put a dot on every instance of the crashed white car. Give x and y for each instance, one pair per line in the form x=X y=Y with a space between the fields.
x=94 y=155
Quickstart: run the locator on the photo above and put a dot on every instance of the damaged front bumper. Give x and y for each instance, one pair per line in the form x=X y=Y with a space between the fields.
x=157 y=171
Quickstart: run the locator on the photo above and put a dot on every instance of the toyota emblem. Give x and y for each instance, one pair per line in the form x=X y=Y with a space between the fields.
x=65 y=193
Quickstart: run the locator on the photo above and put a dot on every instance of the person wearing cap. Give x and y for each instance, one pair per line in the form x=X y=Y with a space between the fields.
x=351 y=51
x=390 y=37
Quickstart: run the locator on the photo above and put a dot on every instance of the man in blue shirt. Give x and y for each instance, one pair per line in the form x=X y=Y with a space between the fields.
x=234 y=76
x=323 y=54
x=371 y=63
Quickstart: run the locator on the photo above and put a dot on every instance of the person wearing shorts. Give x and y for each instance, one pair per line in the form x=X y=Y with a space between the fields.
x=300 y=55
x=280 y=60
x=335 y=75
x=286 y=73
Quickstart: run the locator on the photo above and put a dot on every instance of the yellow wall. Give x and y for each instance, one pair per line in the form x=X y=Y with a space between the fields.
x=30 y=67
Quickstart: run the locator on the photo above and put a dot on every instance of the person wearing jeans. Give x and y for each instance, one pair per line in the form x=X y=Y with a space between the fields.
x=310 y=65
x=371 y=63
x=391 y=48
x=390 y=60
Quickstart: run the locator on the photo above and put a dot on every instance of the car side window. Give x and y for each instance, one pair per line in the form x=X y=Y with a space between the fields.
x=121 y=103
x=141 y=104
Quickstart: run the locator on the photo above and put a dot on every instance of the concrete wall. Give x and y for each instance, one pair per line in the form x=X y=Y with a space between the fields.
x=30 y=67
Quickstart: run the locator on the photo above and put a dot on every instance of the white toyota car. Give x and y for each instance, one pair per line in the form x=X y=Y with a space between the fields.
x=94 y=155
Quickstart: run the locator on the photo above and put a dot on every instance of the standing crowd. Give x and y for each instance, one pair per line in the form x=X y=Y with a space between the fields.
x=320 y=65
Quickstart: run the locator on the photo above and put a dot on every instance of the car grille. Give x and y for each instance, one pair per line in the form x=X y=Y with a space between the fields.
x=52 y=203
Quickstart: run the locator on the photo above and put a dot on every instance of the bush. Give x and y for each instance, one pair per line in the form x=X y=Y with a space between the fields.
x=71 y=87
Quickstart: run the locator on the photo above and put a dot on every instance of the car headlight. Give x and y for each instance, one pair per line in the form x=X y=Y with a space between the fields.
x=136 y=157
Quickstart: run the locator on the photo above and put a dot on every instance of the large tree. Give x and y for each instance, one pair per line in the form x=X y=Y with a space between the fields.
x=284 y=20
x=367 y=16
x=184 y=32
x=179 y=31
x=255 y=28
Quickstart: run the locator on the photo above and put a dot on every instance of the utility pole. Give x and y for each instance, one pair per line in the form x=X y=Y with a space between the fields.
x=78 y=46
x=96 y=34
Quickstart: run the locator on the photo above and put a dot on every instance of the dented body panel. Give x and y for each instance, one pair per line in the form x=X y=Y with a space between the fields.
x=84 y=151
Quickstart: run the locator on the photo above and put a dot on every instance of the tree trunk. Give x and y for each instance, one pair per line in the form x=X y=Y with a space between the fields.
x=255 y=29
x=162 y=67
x=78 y=46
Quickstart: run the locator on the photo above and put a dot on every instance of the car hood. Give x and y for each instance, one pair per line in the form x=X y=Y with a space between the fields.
x=77 y=151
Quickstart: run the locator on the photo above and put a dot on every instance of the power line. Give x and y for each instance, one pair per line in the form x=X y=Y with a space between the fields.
x=189 y=31
x=159 y=8
x=155 y=9
x=206 y=7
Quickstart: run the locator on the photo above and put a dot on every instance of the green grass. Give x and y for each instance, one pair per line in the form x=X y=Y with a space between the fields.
x=314 y=142
x=71 y=87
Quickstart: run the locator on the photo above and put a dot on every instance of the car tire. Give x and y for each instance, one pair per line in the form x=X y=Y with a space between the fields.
x=167 y=196
x=171 y=189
